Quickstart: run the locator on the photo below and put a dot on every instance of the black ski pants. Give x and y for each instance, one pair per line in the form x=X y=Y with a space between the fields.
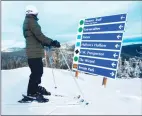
x=36 y=67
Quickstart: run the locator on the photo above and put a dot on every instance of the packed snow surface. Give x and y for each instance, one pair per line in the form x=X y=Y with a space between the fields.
x=121 y=96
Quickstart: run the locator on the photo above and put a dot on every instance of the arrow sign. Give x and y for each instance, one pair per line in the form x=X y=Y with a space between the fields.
x=98 y=62
x=77 y=51
x=101 y=53
x=101 y=45
x=105 y=19
x=102 y=36
x=96 y=70
x=115 y=55
x=117 y=46
x=108 y=27
x=120 y=26
x=113 y=64
x=123 y=17
x=119 y=36
x=112 y=74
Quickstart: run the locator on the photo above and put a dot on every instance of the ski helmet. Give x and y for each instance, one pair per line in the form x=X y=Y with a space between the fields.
x=30 y=9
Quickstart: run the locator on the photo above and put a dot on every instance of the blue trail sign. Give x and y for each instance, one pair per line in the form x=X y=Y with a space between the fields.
x=102 y=36
x=102 y=28
x=96 y=70
x=101 y=45
x=98 y=62
x=98 y=45
x=105 y=19
x=99 y=53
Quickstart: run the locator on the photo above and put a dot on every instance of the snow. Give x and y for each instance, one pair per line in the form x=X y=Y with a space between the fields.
x=121 y=96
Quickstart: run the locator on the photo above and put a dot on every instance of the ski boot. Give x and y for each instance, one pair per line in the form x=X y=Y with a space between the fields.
x=43 y=91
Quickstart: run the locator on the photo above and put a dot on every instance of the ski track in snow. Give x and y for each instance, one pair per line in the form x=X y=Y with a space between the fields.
x=121 y=96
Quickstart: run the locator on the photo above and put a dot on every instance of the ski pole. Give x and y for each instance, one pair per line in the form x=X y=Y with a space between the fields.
x=82 y=100
x=72 y=74
x=50 y=61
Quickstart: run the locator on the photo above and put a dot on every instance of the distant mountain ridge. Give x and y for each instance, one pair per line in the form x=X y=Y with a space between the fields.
x=132 y=40
x=13 y=49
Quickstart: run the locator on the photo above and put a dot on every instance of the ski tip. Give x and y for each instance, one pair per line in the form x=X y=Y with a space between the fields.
x=82 y=100
x=23 y=95
x=87 y=103
x=19 y=101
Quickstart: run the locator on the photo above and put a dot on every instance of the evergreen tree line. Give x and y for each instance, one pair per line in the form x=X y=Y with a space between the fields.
x=13 y=60
x=131 y=68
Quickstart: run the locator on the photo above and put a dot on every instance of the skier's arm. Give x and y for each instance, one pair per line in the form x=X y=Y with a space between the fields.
x=36 y=30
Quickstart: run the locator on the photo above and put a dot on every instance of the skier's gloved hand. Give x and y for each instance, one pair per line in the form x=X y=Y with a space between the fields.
x=55 y=43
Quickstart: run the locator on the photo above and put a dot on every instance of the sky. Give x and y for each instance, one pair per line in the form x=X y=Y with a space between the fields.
x=59 y=19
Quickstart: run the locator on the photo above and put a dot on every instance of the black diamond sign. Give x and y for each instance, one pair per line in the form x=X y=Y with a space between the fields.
x=77 y=51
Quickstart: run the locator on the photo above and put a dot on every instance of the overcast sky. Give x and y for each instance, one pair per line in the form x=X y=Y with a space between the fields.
x=59 y=19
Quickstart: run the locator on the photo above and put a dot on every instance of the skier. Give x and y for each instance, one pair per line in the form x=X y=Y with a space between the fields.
x=35 y=43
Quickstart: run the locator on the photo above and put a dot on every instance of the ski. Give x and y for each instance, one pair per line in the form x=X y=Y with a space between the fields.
x=29 y=99
x=34 y=103
x=42 y=105
x=78 y=97
x=65 y=96
x=77 y=100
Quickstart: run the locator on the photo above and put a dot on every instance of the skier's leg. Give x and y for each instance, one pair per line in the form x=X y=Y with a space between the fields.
x=41 y=89
x=40 y=71
x=35 y=77
x=30 y=89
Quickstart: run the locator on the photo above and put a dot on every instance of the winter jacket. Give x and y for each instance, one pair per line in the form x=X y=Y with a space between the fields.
x=35 y=39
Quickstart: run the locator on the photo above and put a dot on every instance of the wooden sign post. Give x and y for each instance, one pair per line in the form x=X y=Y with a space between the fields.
x=76 y=74
x=104 y=81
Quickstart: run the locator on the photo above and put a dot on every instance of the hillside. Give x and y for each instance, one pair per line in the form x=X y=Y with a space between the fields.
x=120 y=97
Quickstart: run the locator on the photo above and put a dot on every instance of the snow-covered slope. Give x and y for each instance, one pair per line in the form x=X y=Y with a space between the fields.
x=121 y=96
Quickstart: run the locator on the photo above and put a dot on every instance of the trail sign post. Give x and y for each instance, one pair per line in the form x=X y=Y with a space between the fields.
x=98 y=45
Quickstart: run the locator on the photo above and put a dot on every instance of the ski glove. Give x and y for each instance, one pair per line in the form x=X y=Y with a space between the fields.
x=55 y=43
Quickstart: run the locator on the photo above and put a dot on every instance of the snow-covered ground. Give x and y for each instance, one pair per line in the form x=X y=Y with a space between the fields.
x=121 y=96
